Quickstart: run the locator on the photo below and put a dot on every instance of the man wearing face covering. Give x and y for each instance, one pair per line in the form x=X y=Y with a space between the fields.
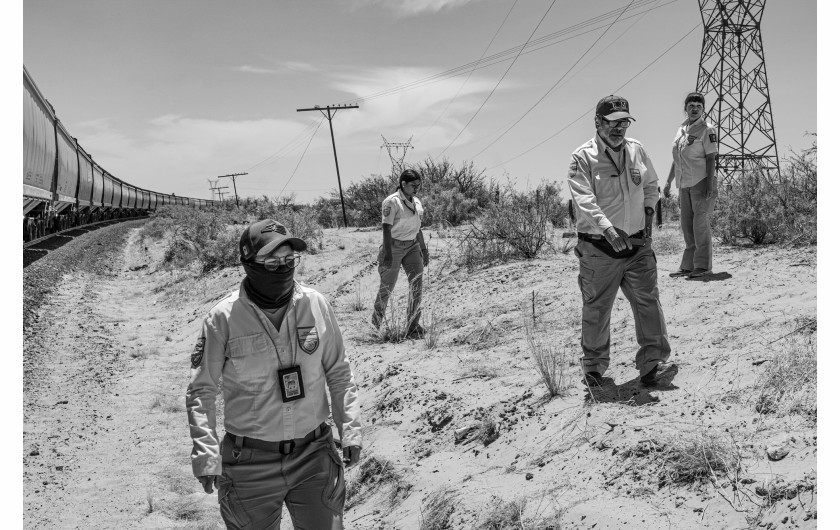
x=277 y=347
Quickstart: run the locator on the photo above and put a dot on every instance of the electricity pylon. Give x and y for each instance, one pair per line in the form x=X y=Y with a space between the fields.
x=733 y=78
x=396 y=152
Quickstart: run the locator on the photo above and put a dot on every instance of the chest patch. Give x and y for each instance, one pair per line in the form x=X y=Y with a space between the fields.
x=198 y=352
x=636 y=176
x=691 y=139
x=308 y=339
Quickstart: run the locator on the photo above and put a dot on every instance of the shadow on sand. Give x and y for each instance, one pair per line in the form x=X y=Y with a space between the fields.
x=714 y=277
x=630 y=392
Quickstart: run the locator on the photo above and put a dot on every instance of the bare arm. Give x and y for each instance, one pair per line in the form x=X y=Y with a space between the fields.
x=386 y=244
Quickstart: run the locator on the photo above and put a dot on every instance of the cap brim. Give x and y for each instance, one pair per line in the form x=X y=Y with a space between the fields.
x=297 y=244
x=619 y=116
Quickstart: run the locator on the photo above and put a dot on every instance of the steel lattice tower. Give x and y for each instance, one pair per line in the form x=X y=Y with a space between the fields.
x=397 y=156
x=733 y=78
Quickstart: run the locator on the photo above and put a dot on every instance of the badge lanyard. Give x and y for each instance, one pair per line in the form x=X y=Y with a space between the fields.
x=291 y=378
x=413 y=210
x=620 y=156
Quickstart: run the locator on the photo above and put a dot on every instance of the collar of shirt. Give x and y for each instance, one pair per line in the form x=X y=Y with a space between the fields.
x=699 y=123
x=617 y=158
x=403 y=198
x=297 y=295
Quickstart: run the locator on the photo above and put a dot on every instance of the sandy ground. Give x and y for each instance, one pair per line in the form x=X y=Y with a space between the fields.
x=106 y=443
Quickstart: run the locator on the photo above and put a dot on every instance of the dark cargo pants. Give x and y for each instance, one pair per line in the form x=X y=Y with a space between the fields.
x=256 y=483
x=407 y=254
x=599 y=280
x=695 y=220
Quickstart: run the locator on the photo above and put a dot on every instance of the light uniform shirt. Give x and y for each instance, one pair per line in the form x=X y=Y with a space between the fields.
x=235 y=343
x=403 y=215
x=608 y=194
x=692 y=144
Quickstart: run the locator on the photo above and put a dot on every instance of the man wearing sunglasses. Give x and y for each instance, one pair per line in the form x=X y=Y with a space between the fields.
x=277 y=347
x=615 y=189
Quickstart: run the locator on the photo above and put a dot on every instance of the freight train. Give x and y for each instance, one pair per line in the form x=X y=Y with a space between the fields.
x=62 y=185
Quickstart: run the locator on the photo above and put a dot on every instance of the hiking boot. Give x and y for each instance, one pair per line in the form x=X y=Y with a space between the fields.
x=699 y=273
x=653 y=377
x=679 y=273
x=593 y=379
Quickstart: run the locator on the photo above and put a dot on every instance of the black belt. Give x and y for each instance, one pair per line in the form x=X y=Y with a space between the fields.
x=637 y=239
x=283 y=447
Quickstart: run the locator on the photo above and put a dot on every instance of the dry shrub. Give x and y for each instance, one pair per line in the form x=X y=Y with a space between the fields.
x=789 y=382
x=668 y=240
x=437 y=509
x=488 y=431
x=510 y=515
x=394 y=325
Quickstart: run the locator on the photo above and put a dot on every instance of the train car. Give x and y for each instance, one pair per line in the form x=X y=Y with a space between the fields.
x=62 y=185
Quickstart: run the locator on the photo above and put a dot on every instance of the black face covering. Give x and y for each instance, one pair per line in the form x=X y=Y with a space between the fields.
x=269 y=290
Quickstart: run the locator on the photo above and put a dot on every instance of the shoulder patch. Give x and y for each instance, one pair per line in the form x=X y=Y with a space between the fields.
x=386 y=211
x=713 y=137
x=198 y=352
x=308 y=339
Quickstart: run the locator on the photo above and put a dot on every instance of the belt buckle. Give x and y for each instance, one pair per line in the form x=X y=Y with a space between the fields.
x=284 y=443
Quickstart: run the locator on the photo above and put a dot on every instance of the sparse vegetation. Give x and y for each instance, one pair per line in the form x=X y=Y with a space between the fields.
x=437 y=509
x=372 y=473
x=510 y=515
x=788 y=384
x=550 y=358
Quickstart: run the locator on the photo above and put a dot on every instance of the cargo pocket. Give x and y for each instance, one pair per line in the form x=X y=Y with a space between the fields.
x=334 y=491
x=230 y=506
x=585 y=283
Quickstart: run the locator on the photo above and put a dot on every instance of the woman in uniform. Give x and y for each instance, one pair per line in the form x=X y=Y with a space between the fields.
x=694 y=152
x=402 y=244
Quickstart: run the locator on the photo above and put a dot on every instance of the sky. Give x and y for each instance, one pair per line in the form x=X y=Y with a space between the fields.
x=166 y=95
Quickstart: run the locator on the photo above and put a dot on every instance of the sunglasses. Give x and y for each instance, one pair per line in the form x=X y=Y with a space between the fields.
x=624 y=122
x=272 y=263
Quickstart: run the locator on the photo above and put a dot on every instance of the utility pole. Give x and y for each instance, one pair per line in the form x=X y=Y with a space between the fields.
x=330 y=112
x=219 y=191
x=213 y=188
x=397 y=159
x=232 y=177
x=733 y=77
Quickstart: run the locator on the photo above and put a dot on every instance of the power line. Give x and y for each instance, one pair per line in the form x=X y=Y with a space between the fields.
x=302 y=155
x=488 y=146
x=464 y=128
x=588 y=112
x=458 y=93
x=288 y=147
x=502 y=56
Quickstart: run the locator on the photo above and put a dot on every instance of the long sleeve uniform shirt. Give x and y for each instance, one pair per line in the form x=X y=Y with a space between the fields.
x=606 y=195
x=691 y=145
x=237 y=343
x=403 y=215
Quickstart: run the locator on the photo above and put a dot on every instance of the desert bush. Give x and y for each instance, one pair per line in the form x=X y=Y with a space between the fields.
x=363 y=199
x=510 y=515
x=437 y=509
x=488 y=430
x=372 y=473
x=770 y=206
x=788 y=384
x=518 y=226
x=697 y=456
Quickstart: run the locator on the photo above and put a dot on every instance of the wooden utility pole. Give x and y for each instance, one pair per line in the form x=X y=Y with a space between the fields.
x=233 y=178
x=330 y=112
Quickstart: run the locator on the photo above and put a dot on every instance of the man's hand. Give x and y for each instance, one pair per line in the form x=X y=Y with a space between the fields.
x=208 y=482
x=617 y=238
x=425 y=252
x=351 y=455
x=667 y=190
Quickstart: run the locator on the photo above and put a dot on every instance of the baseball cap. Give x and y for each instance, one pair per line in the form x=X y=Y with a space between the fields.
x=262 y=237
x=614 y=108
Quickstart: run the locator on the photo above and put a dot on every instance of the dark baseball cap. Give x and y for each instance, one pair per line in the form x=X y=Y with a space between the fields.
x=261 y=238
x=614 y=108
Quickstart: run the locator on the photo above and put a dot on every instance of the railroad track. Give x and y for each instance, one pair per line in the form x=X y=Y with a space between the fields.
x=38 y=248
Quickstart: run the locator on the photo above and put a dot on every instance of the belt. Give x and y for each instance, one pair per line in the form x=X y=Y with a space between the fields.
x=637 y=239
x=283 y=447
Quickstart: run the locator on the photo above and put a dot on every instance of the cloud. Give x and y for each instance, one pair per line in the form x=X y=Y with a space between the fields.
x=413 y=7
x=282 y=68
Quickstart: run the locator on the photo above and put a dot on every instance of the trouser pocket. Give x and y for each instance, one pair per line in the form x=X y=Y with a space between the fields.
x=230 y=506
x=334 y=489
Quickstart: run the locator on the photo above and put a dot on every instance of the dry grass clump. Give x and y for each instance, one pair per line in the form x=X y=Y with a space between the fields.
x=437 y=509
x=691 y=457
x=789 y=382
x=668 y=239
x=510 y=515
x=372 y=473
x=488 y=431
x=550 y=359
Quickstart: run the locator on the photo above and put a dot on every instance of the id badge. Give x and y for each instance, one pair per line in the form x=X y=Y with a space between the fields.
x=291 y=384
